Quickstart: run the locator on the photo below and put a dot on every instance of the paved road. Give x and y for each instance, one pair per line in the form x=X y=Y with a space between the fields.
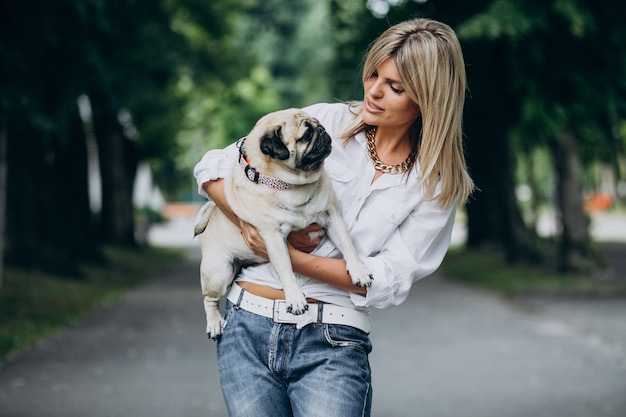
x=450 y=350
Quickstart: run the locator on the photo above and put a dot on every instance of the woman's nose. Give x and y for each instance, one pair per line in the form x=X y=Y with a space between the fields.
x=375 y=89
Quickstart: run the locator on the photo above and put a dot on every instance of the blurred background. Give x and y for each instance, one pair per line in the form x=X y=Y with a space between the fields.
x=106 y=106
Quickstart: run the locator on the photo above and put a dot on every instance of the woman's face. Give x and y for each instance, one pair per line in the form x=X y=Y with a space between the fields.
x=386 y=104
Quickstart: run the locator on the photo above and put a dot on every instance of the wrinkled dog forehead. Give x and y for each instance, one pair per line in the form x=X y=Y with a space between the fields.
x=291 y=125
x=280 y=116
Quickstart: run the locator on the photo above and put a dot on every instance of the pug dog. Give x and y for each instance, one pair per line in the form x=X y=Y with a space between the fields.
x=278 y=185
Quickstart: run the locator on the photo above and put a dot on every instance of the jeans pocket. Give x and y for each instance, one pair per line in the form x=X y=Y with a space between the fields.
x=229 y=309
x=345 y=336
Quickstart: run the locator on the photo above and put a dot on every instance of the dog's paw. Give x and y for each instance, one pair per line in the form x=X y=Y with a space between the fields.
x=297 y=308
x=214 y=328
x=214 y=321
x=361 y=277
x=296 y=303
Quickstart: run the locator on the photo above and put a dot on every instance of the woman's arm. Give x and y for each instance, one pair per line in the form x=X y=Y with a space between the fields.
x=215 y=190
x=328 y=270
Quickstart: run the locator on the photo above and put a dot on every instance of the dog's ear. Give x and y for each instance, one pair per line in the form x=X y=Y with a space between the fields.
x=271 y=144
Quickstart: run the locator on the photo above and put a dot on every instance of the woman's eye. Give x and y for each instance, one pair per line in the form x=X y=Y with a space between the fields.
x=396 y=90
x=374 y=74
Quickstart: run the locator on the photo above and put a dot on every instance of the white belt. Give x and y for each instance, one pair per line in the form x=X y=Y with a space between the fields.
x=317 y=312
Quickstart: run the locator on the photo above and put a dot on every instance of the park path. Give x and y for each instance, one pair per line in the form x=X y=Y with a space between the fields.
x=449 y=350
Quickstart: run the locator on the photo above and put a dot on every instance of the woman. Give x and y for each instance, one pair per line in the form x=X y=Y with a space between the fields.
x=398 y=168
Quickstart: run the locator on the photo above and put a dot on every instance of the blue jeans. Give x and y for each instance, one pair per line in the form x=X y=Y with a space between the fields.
x=276 y=370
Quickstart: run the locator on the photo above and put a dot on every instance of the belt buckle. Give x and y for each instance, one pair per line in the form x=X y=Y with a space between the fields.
x=281 y=315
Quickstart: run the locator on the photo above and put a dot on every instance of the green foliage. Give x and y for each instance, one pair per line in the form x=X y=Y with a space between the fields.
x=502 y=19
x=579 y=18
x=277 y=61
x=293 y=41
x=565 y=68
x=354 y=27
x=563 y=65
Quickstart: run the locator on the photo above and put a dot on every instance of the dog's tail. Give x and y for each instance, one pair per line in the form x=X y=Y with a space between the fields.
x=202 y=219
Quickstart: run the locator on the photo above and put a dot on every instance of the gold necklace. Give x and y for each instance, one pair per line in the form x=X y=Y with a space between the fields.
x=380 y=165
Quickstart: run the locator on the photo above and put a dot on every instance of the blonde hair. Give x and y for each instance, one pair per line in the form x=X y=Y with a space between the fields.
x=429 y=61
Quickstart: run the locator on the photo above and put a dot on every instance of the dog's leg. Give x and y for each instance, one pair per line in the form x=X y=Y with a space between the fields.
x=214 y=321
x=279 y=257
x=216 y=272
x=337 y=232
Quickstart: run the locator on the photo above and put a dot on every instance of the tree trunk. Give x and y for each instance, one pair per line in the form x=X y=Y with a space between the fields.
x=118 y=166
x=575 y=252
x=72 y=170
x=3 y=188
x=48 y=216
x=493 y=216
x=25 y=228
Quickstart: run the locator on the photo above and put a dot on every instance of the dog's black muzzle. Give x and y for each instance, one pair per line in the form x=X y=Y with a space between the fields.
x=320 y=145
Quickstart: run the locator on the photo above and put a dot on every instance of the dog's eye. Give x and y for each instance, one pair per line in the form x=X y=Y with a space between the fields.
x=308 y=134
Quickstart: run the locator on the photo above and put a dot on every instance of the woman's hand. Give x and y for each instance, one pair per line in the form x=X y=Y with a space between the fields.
x=307 y=239
x=253 y=239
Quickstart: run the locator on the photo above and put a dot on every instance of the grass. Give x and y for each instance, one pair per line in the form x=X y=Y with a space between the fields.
x=33 y=305
x=489 y=270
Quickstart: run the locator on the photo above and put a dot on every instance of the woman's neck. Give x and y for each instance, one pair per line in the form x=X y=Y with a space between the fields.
x=393 y=146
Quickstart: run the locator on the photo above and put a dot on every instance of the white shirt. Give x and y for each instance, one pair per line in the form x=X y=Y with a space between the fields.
x=400 y=235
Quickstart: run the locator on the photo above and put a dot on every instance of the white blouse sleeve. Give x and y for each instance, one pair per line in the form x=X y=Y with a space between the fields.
x=214 y=164
x=414 y=251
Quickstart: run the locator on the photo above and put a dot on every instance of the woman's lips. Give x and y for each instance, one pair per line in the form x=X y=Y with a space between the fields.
x=371 y=107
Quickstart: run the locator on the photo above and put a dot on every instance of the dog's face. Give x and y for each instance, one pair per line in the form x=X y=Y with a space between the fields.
x=290 y=139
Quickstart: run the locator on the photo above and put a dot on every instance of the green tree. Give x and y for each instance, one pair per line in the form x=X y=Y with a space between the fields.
x=295 y=51
x=494 y=218
x=132 y=55
x=210 y=83
x=48 y=219
x=353 y=27
x=567 y=67
x=278 y=61
x=126 y=57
